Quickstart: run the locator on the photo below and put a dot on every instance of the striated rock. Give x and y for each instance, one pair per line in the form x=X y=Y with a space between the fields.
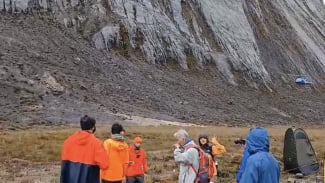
x=166 y=35
x=211 y=49
x=290 y=37
x=174 y=31
x=265 y=41
x=107 y=38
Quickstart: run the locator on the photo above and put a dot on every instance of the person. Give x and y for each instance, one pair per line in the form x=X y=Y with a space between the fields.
x=118 y=156
x=204 y=144
x=83 y=155
x=217 y=149
x=186 y=157
x=138 y=162
x=213 y=150
x=207 y=148
x=242 y=165
x=261 y=166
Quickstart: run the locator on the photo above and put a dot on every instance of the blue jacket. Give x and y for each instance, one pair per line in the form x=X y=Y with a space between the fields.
x=261 y=166
x=242 y=164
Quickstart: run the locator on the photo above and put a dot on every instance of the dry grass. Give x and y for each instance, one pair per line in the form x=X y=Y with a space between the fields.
x=34 y=155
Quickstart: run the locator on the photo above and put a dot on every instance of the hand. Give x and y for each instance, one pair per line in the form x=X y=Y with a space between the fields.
x=214 y=140
x=176 y=145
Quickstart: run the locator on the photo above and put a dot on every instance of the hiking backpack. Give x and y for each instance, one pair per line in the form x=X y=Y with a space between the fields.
x=205 y=171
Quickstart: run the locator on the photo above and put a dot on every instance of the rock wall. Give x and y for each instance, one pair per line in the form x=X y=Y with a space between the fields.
x=261 y=41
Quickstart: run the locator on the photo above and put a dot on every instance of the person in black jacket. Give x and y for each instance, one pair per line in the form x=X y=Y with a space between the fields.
x=204 y=144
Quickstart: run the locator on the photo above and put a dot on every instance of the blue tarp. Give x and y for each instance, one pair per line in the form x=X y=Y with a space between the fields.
x=302 y=81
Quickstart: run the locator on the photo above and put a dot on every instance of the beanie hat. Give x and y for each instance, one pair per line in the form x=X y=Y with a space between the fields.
x=137 y=140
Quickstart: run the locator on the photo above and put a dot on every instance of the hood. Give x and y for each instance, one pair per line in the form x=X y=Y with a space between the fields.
x=205 y=137
x=188 y=143
x=118 y=145
x=258 y=140
x=82 y=137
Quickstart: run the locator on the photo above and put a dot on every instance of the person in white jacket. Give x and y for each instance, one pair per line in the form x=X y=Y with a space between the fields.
x=185 y=157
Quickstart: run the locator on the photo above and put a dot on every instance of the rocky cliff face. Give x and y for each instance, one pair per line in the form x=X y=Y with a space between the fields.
x=260 y=43
x=266 y=41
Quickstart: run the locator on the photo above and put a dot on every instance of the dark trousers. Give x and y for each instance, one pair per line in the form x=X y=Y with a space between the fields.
x=135 y=179
x=105 y=181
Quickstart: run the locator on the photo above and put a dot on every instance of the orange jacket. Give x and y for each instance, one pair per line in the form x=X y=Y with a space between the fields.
x=82 y=156
x=217 y=148
x=138 y=162
x=118 y=159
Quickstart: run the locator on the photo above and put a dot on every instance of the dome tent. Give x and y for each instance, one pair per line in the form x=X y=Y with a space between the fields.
x=298 y=153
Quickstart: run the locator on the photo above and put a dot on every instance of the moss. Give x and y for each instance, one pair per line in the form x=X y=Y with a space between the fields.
x=260 y=29
x=139 y=38
x=125 y=48
x=191 y=62
x=165 y=42
x=187 y=15
x=106 y=6
x=172 y=64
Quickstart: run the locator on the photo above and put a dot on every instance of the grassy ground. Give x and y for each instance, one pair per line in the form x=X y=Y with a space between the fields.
x=33 y=155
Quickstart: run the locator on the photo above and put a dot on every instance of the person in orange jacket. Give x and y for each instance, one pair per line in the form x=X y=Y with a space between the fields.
x=83 y=155
x=117 y=151
x=138 y=163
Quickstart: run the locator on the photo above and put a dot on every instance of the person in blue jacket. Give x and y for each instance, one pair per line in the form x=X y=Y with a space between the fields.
x=244 y=159
x=242 y=165
x=261 y=166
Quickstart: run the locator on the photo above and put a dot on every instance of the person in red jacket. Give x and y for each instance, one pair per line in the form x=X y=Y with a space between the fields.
x=138 y=163
x=83 y=155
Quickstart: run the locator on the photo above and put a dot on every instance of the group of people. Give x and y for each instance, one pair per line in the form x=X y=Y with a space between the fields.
x=258 y=165
x=187 y=155
x=86 y=159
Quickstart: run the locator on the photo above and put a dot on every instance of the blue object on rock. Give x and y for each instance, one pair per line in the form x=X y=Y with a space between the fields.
x=302 y=81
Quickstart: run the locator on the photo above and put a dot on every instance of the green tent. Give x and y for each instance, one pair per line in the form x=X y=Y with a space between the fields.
x=298 y=153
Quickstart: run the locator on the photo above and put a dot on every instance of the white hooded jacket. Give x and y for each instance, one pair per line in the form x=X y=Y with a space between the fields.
x=185 y=159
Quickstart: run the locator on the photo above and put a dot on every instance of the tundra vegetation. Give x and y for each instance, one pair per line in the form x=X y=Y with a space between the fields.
x=33 y=154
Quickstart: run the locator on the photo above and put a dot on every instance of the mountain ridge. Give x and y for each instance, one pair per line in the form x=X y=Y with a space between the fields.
x=51 y=71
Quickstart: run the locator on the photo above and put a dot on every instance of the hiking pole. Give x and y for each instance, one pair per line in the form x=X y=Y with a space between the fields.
x=324 y=170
